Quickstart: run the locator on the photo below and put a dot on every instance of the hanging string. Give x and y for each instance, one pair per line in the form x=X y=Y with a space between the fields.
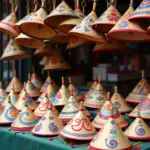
x=36 y=3
x=28 y=6
x=54 y=4
x=83 y=4
x=43 y=3
x=12 y=5
x=16 y=5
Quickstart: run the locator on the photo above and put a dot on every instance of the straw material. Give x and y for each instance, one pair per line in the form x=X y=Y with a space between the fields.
x=25 y=121
x=111 y=137
x=14 y=52
x=107 y=20
x=36 y=81
x=57 y=62
x=29 y=42
x=59 y=14
x=3 y=94
x=34 y=26
x=43 y=61
x=7 y=25
x=126 y=30
x=49 y=125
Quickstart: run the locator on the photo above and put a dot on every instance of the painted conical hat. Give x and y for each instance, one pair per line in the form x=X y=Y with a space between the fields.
x=119 y=102
x=76 y=130
x=7 y=25
x=31 y=89
x=84 y=29
x=97 y=98
x=60 y=13
x=110 y=137
x=29 y=42
x=107 y=20
x=140 y=91
x=104 y=114
x=22 y=91
x=3 y=94
x=76 y=92
x=43 y=61
x=34 y=26
x=14 y=52
x=57 y=62
x=15 y=84
x=25 y=121
x=126 y=30
x=8 y=114
x=49 y=125
x=62 y=95
x=138 y=129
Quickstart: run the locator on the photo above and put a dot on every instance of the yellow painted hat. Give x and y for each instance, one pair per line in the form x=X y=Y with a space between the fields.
x=72 y=88
x=110 y=137
x=97 y=98
x=62 y=95
x=3 y=94
x=84 y=29
x=79 y=128
x=15 y=84
x=57 y=62
x=119 y=102
x=31 y=89
x=25 y=121
x=49 y=125
x=71 y=109
x=14 y=52
x=8 y=113
x=140 y=91
x=107 y=20
x=60 y=13
x=129 y=31
x=104 y=114
x=43 y=61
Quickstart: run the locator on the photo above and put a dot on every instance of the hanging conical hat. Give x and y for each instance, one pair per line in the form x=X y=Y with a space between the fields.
x=31 y=89
x=34 y=26
x=107 y=20
x=57 y=62
x=29 y=42
x=79 y=128
x=49 y=125
x=3 y=94
x=138 y=129
x=104 y=114
x=119 y=102
x=14 y=52
x=84 y=29
x=59 y=14
x=25 y=121
x=15 y=84
x=7 y=25
x=97 y=98
x=8 y=114
x=126 y=30
x=62 y=95
x=140 y=92
x=71 y=109
x=43 y=61
x=110 y=137
x=76 y=92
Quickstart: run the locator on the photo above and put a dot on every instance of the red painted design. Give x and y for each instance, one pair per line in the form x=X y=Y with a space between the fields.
x=59 y=96
x=44 y=106
x=53 y=61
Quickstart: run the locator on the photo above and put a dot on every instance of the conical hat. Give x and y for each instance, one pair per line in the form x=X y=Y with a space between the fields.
x=104 y=114
x=79 y=128
x=31 y=89
x=3 y=94
x=62 y=95
x=43 y=61
x=14 y=52
x=126 y=30
x=84 y=29
x=138 y=129
x=29 y=42
x=25 y=121
x=15 y=84
x=110 y=137
x=71 y=109
x=7 y=25
x=34 y=26
x=119 y=102
x=60 y=13
x=97 y=98
x=49 y=125
x=140 y=92
x=57 y=61
x=107 y=20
